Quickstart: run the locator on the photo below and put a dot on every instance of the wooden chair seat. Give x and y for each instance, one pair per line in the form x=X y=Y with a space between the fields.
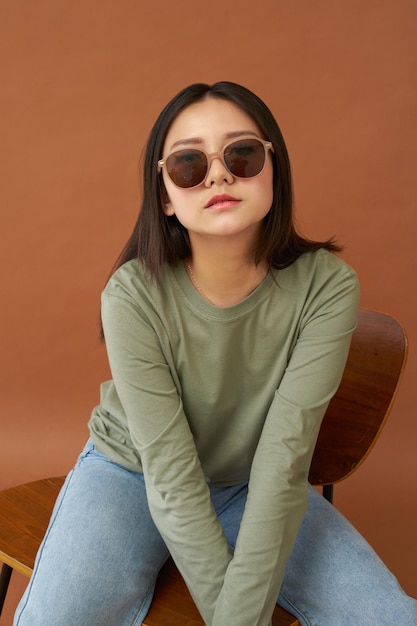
x=352 y=424
x=173 y=606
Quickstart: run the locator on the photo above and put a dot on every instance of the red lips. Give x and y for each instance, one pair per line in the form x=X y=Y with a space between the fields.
x=221 y=199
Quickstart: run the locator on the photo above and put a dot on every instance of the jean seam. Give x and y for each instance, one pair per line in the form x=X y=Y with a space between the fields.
x=39 y=556
x=297 y=613
x=90 y=455
x=149 y=591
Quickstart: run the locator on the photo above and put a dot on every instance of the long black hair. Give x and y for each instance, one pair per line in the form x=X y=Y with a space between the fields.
x=158 y=239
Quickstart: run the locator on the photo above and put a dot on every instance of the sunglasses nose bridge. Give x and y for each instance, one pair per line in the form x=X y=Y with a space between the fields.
x=217 y=157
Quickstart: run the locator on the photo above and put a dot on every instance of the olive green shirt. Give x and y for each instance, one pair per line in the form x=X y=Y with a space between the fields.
x=204 y=395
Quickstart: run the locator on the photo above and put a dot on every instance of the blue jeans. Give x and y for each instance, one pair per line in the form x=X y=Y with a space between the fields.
x=101 y=555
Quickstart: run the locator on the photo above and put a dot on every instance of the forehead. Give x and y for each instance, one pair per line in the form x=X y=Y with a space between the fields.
x=212 y=119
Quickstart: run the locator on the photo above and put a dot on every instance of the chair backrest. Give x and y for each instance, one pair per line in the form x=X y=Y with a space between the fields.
x=359 y=409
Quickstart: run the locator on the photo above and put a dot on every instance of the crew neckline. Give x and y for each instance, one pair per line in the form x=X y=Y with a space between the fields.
x=197 y=301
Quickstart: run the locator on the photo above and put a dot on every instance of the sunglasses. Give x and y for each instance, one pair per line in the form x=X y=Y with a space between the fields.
x=189 y=167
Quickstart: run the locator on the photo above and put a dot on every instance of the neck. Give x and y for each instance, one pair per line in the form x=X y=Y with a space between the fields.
x=222 y=275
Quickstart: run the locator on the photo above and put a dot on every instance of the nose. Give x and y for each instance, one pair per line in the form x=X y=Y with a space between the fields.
x=217 y=172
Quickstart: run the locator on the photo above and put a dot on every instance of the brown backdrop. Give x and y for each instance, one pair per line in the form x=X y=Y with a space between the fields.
x=81 y=84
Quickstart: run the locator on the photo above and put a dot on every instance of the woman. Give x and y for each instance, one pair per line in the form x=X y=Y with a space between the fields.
x=227 y=335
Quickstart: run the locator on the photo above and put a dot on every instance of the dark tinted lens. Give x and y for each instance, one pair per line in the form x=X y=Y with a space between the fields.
x=187 y=168
x=245 y=158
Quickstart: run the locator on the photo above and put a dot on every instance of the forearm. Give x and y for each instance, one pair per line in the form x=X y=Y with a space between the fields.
x=274 y=510
x=179 y=501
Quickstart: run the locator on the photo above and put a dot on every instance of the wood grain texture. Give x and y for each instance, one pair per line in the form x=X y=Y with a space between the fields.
x=173 y=606
x=24 y=515
x=358 y=411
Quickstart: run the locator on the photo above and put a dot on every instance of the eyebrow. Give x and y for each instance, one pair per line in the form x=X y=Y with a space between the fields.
x=199 y=140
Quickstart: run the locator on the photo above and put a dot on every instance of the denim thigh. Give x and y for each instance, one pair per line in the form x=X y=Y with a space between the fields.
x=101 y=554
x=334 y=577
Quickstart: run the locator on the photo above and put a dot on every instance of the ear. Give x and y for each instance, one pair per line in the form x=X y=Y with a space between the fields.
x=168 y=209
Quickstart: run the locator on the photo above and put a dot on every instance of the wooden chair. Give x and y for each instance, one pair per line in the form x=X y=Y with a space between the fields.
x=352 y=424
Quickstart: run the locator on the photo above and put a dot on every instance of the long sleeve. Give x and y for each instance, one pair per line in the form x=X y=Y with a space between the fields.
x=277 y=495
x=177 y=491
